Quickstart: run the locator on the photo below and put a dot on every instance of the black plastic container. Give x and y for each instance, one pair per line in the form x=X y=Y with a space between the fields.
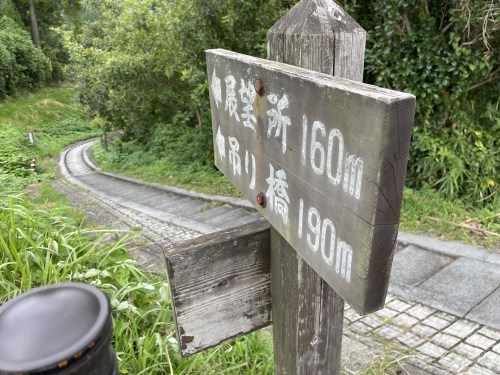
x=57 y=329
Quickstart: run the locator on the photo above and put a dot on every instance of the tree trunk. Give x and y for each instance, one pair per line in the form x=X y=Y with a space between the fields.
x=34 y=25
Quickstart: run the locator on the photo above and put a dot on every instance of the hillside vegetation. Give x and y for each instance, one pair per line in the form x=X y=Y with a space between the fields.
x=54 y=119
x=32 y=53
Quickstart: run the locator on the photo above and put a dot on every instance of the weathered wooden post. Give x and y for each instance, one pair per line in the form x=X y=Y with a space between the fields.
x=307 y=313
x=324 y=160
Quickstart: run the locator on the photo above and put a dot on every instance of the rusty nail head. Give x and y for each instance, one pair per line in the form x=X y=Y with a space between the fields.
x=261 y=200
x=259 y=86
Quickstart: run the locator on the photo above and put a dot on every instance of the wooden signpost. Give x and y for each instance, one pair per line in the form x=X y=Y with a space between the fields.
x=324 y=160
x=324 y=157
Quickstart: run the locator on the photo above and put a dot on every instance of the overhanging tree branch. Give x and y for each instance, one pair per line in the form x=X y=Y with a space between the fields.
x=492 y=77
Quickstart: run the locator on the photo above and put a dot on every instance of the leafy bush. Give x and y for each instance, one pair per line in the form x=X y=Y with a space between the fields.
x=8 y=9
x=52 y=16
x=444 y=53
x=7 y=62
x=22 y=66
x=142 y=63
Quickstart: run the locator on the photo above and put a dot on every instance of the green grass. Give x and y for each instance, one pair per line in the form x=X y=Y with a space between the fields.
x=388 y=363
x=427 y=212
x=387 y=358
x=56 y=120
x=195 y=176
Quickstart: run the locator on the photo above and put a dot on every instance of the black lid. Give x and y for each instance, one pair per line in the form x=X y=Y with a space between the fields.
x=48 y=325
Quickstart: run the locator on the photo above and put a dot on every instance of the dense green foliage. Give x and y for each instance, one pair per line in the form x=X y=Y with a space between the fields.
x=53 y=16
x=141 y=63
x=8 y=9
x=22 y=66
x=444 y=52
x=56 y=121
x=141 y=66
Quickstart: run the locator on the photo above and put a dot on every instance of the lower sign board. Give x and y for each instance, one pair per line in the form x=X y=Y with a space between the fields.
x=220 y=285
x=322 y=158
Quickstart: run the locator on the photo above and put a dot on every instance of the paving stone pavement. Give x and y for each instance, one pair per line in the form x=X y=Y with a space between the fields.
x=442 y=313
x=430 y=340
x=442 y=310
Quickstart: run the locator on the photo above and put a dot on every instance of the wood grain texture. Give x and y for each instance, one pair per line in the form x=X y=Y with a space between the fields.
x=307 y=312
x=307 y=315
x=357 y=209
x=220 y=286
x=319 y=35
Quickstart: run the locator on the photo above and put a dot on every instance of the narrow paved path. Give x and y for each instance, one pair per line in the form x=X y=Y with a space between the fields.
x=443 y=307
x=194 y=211
x=165 y=215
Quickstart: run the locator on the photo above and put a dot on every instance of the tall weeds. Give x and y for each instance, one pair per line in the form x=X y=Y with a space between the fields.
x=39 y=248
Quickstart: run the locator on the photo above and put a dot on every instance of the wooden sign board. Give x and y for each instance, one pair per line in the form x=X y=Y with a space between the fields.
x=220 y=285
x=327 y=155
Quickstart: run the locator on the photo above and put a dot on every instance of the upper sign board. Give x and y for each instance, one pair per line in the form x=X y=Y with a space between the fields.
x=325 y=156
